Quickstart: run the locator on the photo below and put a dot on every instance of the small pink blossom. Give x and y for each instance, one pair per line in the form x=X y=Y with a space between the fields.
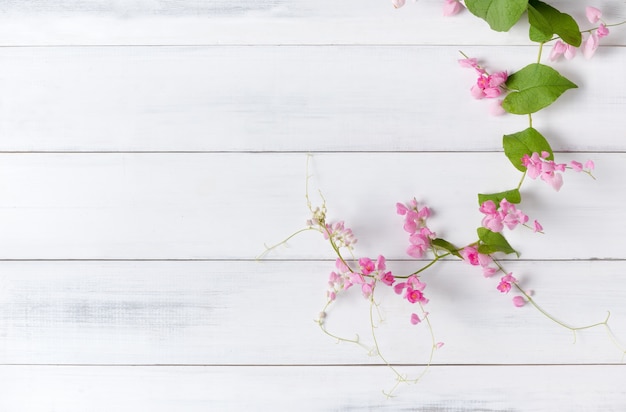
x=590 y=165
x=576 y=166
x=489 y=271
x=451 y=7
x=415 y=319
x=593 y=14
x=470 y=255
x=367 y=266
x=470 y=63
x=537 y=166
x=398 y=3
x=537 y=226
x=367 y=289
x=505 y=283
x=413 y=288
x=562 y=49
x=439 y=345
x=519 y=301
x=590 y=46
x=387 y=278
x=602 y=31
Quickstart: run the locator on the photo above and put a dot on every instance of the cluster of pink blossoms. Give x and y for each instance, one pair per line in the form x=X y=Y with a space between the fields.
x=415 y=224
x=538 y=166
x=589 y=45
x=369 y=272
x=487 y=85
x=471 y=255
x=413 y=292
x=506 y=214
x=340 y=235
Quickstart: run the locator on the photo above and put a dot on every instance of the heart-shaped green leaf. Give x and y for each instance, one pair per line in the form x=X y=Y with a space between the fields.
x=512 y=196
x=500 y=14
x=491 y=242
x=527 y=141
x=533 y=88
x=546 y=21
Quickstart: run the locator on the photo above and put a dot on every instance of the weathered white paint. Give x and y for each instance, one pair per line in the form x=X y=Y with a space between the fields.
x=261 y=313
x=289 y=98
x=111 y=260
x=217 y=205
x=158 y=22
x=338 y=388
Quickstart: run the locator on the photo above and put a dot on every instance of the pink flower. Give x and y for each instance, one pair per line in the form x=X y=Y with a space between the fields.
x=602 y=31
x=546 y=169
x=367 y=266
x=398 y=3
x=505 y=283
x=341 y=235
x=367 y=289
x=488 y=86
x=413 y=288
x=590 y=165
x=538 y=227
x=387 y=278
x=470 y=255
x=590 y=46
x=576 y=166
x=451 y=7
x=415 y=224
x=489 y=271
x=562 y=49
x=415 y=319
x=593 y=14
x=519 y=301
x=471 y=63
x=492 y=219
x=414 y=296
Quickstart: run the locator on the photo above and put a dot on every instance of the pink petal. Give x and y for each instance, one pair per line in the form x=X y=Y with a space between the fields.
x=538 y=227
x=593 y=14
x=469 y=63
x=519 y=301
x=401 y=209
x=590 y=165
x=415 y=319
x=570 y=52
x=557 y=50
x=576 y=166
x=398 y=3
x=451 y=7
x=590 y=46
x=602 y=31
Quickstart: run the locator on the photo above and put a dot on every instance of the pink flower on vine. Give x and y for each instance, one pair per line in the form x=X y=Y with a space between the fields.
x=505 y=283
x=471 y=255
x=489 y=86
x=538 y=166
x=413 y=289
x=562 y=49
x=340 y=235
x=415 y=223
x=415 y=319
x=452 y=7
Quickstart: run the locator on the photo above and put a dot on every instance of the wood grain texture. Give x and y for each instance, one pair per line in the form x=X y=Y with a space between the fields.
x=159 y=22
x=261 y=313
x=226 y=206
x=296 y=98
x=174 y=136
x=518 y=388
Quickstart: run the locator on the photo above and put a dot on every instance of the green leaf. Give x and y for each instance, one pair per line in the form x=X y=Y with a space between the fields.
x=492 y=242
x=445 y=245
x=500 y=14
x=533 y=88
x=545 y=21
x=512 y=196
x=527 y=141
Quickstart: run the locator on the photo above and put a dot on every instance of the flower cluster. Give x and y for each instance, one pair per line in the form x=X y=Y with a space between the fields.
x=505 y=214
x=420 y=235
x=589 y=45
x=366 y=277
x=549 y=171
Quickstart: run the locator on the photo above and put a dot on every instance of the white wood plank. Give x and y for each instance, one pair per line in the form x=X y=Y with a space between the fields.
x=260 y=22
x=476 y=388
x=226 y=206
x=222 y=313
x=288 y=99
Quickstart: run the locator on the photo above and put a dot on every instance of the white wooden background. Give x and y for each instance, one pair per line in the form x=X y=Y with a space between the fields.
x=149 y=148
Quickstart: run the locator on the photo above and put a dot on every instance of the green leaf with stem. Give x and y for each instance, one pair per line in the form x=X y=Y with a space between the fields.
x=512 y=196
x=546 y=21
x=527 y=141
x=445 y=245
x=491 y=242
x=534 y=87
x=500 y=14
